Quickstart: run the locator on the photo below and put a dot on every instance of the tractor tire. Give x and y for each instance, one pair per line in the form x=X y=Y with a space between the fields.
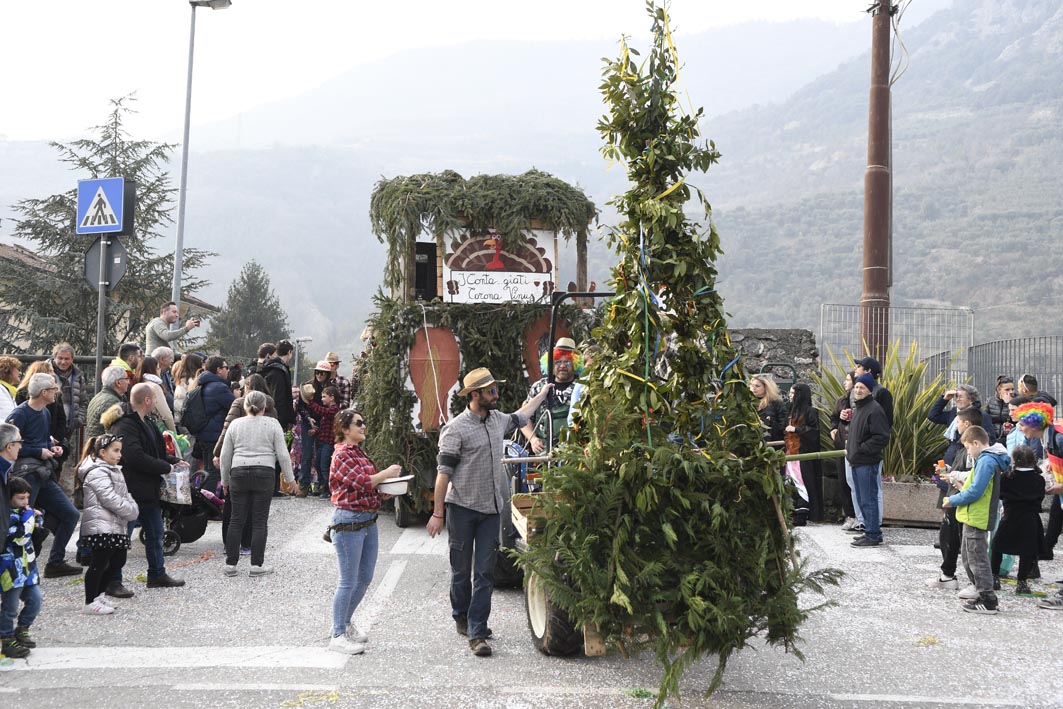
x=553 y=633
x=403 y=514
x=508 y=573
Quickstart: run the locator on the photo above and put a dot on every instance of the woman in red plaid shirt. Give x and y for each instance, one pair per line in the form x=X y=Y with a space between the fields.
x=353 y=479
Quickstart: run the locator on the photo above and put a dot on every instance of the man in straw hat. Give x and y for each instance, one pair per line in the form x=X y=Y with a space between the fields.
x=469 y=498
x=341 y=383
x=548 y=420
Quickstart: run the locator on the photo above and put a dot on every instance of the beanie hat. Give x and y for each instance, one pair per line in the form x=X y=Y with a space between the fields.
x=867 y=379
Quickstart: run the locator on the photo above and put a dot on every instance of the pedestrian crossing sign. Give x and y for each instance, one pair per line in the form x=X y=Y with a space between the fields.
x=101 y=207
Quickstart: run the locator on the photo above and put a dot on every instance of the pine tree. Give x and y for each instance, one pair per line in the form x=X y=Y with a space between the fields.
x=666 y=516
x=54 y=303
x=252 y=315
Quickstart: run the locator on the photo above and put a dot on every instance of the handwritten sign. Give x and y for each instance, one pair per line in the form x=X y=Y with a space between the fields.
x=495 y=286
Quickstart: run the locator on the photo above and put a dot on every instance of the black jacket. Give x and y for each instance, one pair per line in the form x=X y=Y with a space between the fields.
x=279 y=379
x=144 y=458
x=998 y=413
x=869 y=432
x=774 y=419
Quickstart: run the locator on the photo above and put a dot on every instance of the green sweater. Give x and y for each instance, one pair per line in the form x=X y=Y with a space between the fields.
x=100 y=403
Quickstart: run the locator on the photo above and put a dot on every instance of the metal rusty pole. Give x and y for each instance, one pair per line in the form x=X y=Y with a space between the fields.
x=875 y=298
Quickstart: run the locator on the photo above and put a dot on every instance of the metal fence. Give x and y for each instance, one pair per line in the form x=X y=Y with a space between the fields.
x=940 y=334
x=1040 y=356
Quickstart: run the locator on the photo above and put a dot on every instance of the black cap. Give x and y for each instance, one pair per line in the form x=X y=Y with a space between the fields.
x=870 y=364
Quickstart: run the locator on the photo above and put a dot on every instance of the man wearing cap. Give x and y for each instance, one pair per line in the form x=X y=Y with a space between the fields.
x=311 y=391
x=341 y=383
x=869 y=432
x=469 y=498
x=548 y=420
x=870 y=365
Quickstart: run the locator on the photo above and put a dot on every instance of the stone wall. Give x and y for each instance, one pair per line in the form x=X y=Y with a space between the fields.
x=760 y=346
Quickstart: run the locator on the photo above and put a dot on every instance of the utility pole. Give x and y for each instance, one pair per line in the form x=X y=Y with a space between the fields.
x=875 y=298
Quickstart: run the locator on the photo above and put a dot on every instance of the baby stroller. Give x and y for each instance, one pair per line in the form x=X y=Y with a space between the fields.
x=187 y=523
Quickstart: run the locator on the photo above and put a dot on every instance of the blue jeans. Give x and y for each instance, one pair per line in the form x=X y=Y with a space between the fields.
x=50 y=497
x=306 y=460
x=151 y=520
x=323 y=460
x=856 y=504
x=473 y=549
x=31 y=600
x=356 y=555
x=867 y=486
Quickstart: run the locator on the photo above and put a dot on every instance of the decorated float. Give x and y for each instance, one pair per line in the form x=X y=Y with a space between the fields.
x=472 y=264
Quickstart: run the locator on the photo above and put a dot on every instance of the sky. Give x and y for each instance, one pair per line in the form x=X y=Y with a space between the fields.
x=65 y=59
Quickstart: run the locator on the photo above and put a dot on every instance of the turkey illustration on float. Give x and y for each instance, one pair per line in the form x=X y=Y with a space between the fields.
x=479 y=269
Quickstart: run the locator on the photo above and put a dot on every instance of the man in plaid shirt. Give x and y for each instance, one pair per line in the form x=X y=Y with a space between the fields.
x=341 y=383
x=469 y=485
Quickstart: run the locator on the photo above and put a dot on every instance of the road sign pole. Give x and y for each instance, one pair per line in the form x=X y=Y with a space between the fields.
x=101 y=313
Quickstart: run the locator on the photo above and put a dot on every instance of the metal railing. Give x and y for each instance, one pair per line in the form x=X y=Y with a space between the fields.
x=1040 y=356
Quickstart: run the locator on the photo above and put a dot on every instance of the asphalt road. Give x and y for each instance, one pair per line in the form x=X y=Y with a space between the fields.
x=243 y=642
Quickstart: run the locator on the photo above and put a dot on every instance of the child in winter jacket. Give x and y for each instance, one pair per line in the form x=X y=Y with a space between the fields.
x=19 y=579
x=1020 y=531
x=104 y=521
x=976 y=508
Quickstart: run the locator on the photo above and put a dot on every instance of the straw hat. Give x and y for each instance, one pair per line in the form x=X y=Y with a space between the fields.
x=332 y=357
x=323 y=366
x=479 y=378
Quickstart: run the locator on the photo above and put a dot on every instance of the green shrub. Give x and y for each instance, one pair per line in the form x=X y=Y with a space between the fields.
x=916 y=443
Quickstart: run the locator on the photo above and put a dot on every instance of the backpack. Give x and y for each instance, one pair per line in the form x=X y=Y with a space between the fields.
x=195 y=417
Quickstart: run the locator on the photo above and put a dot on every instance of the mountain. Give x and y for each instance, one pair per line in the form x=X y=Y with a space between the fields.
x=977 y=218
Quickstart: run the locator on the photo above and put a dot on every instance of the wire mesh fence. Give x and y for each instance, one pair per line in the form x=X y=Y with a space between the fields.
x=942 y=336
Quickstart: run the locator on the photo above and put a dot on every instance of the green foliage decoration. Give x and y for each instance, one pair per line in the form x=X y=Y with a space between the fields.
x=488 y=336
x=44 y=306
x=916 y=443
x=666 y=516
x=404 y=207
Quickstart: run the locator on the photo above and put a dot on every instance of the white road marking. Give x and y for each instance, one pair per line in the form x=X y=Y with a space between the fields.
x=70 y=658
x=369 y=611
x=309 y=539
x=837 y=545
x=415 y=540
x=908 y=700
x=254 y=688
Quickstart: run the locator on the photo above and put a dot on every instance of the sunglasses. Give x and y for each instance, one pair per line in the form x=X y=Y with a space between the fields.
x=1005 y=379
x=359 y=423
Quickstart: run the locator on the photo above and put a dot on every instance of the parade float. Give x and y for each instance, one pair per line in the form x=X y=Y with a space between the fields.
x=471 y=267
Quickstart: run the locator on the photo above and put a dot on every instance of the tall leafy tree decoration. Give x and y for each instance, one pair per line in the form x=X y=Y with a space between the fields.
x=666 y=517
x=252 y=315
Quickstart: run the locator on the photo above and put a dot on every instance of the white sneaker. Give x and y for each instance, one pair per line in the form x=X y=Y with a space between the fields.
x=848 y=523
x=261 y=570
x=943 y=583
x=968 y=593
x=356 y=635
x=340 y=643
x=230 y=570
x=97 y=607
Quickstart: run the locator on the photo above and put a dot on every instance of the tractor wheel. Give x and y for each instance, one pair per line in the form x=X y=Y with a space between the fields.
x=403 y=513
x=552 y=631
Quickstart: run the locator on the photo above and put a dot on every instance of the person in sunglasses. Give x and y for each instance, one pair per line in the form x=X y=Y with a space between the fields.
x=469 y=498
x=997 y=407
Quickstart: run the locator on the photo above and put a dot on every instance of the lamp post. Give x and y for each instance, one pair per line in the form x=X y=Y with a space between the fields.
x=299 y=341
x=179 y=247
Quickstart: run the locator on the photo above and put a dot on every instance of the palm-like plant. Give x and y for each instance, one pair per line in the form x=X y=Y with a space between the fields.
x=916 y=443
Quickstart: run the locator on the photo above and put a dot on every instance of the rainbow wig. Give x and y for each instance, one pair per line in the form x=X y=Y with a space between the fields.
x=575 y=357
x=1036 y=414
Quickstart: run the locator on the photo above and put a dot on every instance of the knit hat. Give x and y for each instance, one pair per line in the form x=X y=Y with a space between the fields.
x=1036 y=414
x=867 y=380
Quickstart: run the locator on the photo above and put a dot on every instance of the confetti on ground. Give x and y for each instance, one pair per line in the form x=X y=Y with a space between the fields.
x=928 y=641
x=205 y=556
x=640 y=693
x=306 y=699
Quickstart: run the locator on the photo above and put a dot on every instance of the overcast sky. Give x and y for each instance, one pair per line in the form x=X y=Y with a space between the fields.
x=63 y=59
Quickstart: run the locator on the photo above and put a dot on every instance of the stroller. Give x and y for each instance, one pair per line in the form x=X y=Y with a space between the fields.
x=187 y=523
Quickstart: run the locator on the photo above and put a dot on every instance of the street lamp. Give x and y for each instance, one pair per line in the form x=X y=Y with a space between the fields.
x=299 y=341
x=179 y=247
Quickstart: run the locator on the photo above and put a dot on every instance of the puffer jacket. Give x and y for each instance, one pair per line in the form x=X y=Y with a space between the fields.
x=217 y=398
x=75 y=393
x=108 y=505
